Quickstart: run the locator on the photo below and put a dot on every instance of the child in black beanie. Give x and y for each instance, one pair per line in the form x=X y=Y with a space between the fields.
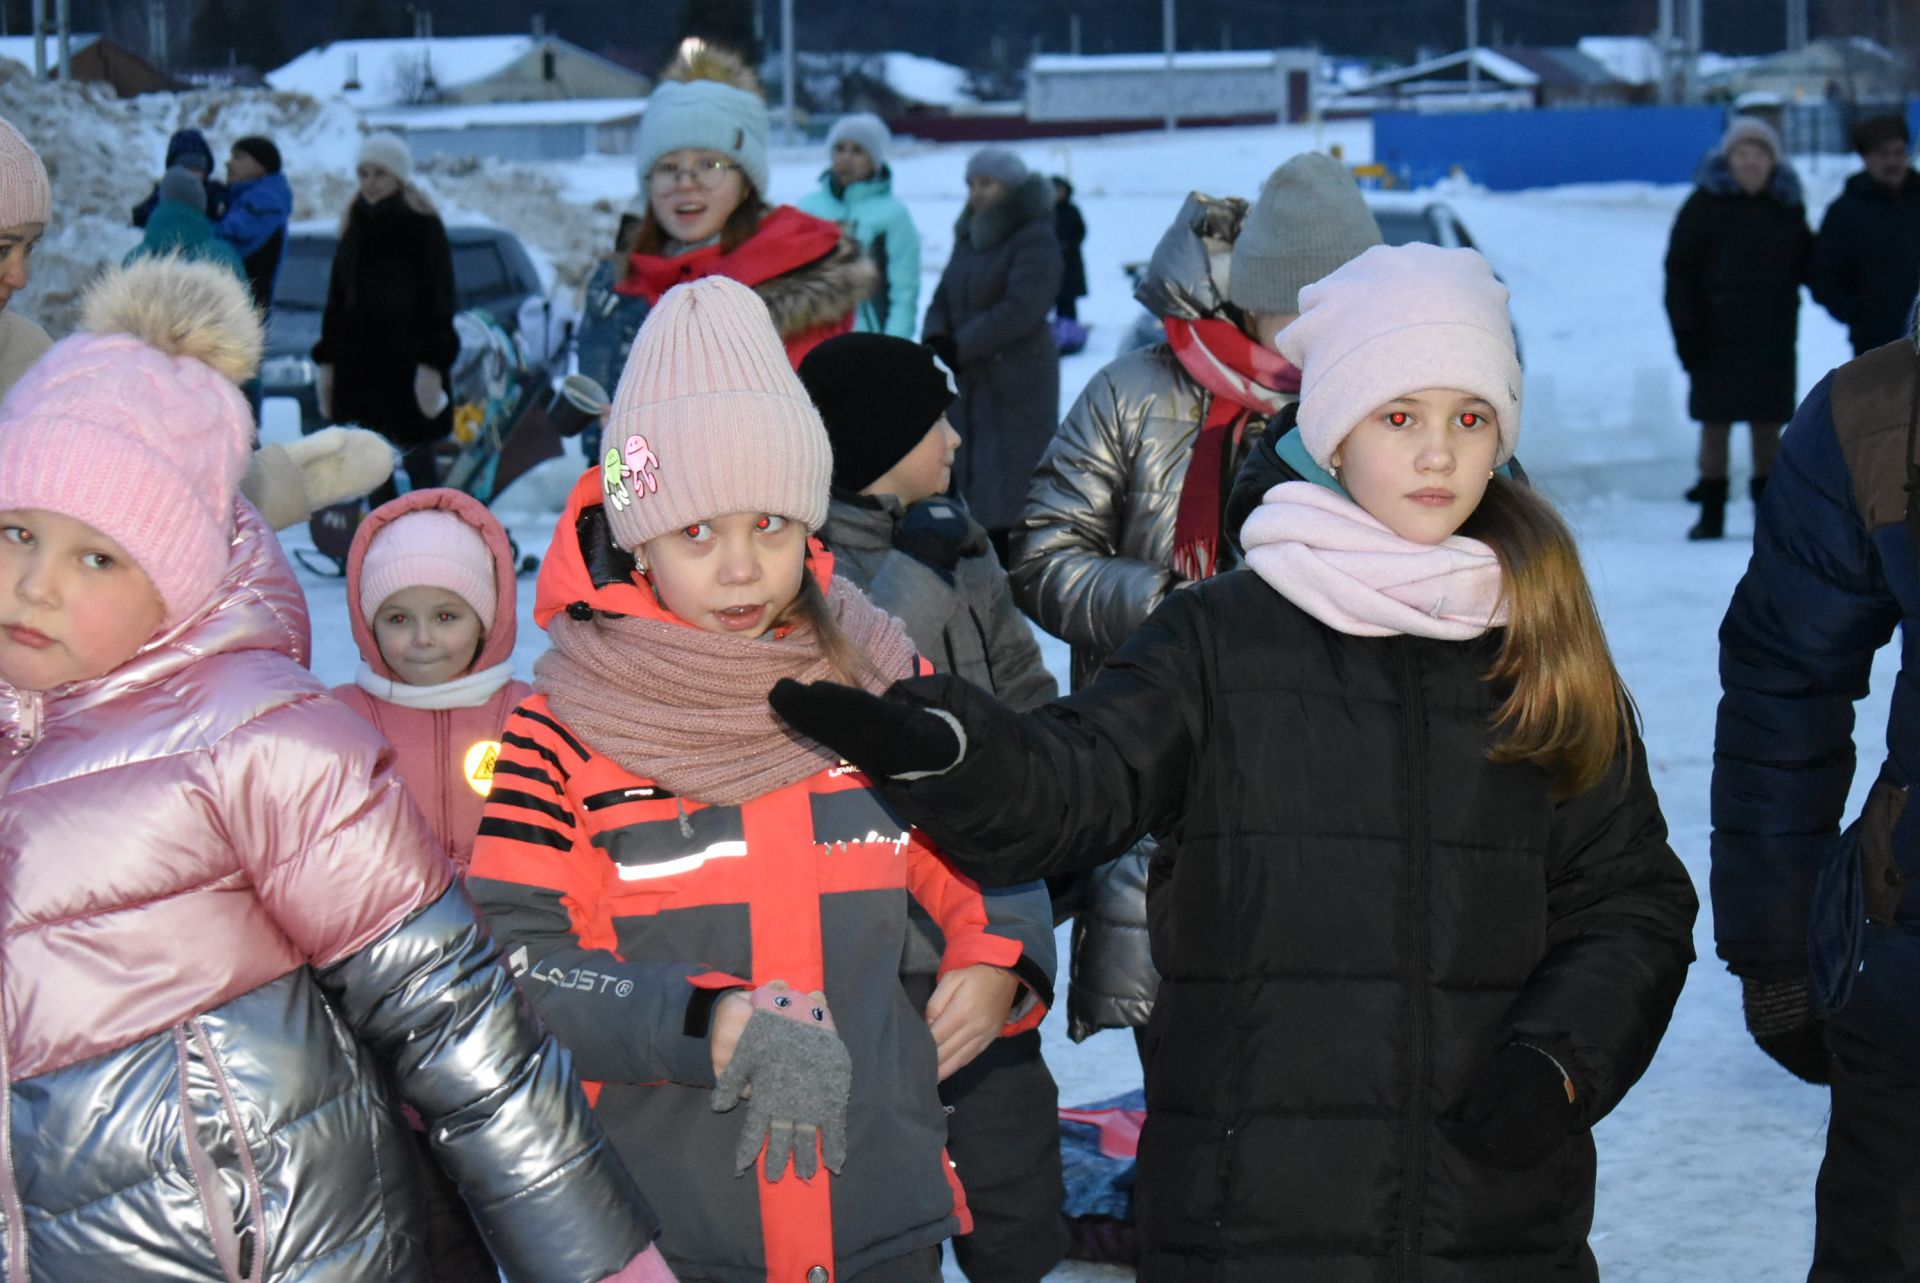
x=922 y=558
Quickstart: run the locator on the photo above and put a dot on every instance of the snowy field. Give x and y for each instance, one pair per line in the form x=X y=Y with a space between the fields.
x=1706 y=1172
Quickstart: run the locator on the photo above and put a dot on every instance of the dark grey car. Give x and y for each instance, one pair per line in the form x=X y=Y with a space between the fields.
x=491 y=270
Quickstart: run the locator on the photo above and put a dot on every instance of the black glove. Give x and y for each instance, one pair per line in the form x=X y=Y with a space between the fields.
x=1780 y=1018
x=934 y=533
x=1518 y=1114
x=945 y=348
x=887 y=736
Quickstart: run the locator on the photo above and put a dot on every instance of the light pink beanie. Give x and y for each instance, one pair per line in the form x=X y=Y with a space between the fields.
x=710 y=419
x=430 y=548
x=1400 y=319
x=136 y=426
x=25 y=196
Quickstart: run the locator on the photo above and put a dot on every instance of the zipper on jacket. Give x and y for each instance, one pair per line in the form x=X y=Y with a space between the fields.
x=1413 y=1163
x=18 y=1267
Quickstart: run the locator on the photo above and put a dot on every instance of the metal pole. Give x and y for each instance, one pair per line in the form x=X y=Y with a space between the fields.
x=39 y=39
x=157 y=32
x=1690 y=51
x=1073 y=34
x=63 y=23
x=1473 y=51
x=1166 y=36
x=786 y=65
x=1663 y=43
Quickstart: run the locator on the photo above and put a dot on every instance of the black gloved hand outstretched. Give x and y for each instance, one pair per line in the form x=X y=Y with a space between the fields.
x=887 y=736
x=1517 y=1115
x=1780 y=1018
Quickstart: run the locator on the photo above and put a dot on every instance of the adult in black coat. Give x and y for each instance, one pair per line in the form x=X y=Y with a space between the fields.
x=1866 y=260
x=988 y=322
x=387 y=341
x=1735 y=263
x=1070 y=229
x=1401 y=978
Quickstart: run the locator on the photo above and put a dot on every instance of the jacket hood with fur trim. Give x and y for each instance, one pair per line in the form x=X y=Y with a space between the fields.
x=1028 y=201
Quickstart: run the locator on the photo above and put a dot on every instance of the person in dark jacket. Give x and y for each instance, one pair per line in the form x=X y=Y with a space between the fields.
x=187 y=149
x=1125 y=505
x=259 y=205
x=1071 y=230
x=387 y=341
x=1822 y=926
x=1866 y=260
x=1735 y=263
x=179 y=225
x=988 y=322
x=1426 y=926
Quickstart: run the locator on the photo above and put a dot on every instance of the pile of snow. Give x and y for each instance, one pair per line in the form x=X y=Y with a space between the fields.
x=103 y=154
x=926 y=80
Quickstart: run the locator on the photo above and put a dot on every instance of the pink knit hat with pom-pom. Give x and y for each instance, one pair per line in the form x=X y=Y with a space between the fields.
x=136 y=426
x=25 y=196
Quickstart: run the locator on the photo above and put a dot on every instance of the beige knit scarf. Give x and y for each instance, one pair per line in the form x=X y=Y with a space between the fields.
x=687 y=709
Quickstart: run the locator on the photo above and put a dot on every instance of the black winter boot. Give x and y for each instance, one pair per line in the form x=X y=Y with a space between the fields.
x=1712 y=497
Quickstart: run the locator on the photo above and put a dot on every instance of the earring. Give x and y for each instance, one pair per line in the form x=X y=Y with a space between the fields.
x=1490 y=472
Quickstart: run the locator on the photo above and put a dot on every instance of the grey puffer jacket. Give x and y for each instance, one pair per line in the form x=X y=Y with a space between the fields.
x=992 y=301
x=1093 y=553
x=228 y=939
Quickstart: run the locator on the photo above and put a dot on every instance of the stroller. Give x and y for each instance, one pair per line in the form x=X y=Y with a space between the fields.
x=500 y=432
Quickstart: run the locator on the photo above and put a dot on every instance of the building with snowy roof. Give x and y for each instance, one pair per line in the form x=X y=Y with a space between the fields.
x=1480 y=79
x=557 y=129
x=1255 y=85
x=375 y=74
x=1844 y=69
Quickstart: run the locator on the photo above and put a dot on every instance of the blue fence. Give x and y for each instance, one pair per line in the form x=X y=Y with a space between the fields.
x=1511 y=150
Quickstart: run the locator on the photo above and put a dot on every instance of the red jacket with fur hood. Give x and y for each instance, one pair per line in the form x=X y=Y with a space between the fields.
x=445 y=755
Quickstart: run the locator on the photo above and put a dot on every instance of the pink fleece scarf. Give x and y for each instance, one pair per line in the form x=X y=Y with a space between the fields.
x=1327 y=555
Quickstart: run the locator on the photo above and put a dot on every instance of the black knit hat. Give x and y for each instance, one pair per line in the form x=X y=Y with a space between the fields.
x=261 y=149
x=879 y=396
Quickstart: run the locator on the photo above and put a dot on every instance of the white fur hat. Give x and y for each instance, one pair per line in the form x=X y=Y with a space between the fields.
x=389 y=151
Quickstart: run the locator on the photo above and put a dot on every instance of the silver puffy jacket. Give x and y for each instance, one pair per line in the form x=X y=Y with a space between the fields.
x=228 y=939
x=1092 y=556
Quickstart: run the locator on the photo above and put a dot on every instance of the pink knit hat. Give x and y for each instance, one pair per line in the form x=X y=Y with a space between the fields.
x=136 y=426
x=710 y=419
x=429 y=548
x=1400 y=319
x=25 y=196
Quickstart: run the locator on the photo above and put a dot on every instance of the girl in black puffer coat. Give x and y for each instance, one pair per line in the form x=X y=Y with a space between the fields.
x=1424 y=926
x=387 y=341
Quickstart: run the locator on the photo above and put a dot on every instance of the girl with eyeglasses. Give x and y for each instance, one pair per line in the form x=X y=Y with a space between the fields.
x=703 y=179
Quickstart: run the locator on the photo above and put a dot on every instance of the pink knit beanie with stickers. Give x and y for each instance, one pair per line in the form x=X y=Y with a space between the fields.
x=710 y=419
x=1400 y=319
x=430 y=548
x=136 y=426
x=25 y=196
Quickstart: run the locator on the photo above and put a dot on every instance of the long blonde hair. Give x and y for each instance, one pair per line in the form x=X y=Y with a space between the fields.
x=850 y=663
x=1565 y=707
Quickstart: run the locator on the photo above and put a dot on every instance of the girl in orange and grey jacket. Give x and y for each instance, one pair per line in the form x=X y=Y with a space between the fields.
x=700 y=903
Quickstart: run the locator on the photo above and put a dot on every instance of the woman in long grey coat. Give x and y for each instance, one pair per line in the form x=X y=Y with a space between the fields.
x=988 y=321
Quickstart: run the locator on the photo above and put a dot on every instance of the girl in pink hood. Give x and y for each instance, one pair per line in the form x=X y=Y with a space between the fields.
x=430 y=584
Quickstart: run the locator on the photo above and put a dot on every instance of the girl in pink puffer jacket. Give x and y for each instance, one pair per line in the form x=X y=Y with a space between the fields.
x=228 y=941
x=431 y=586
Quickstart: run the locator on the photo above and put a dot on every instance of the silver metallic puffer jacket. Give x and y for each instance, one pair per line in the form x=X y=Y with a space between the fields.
x=1092 y=557
x=1092 y=553
x=226 y=931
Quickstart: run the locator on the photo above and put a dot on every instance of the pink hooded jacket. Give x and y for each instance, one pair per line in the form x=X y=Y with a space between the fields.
x=434 y=746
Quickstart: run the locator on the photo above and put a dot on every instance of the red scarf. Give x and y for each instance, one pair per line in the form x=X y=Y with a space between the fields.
x=1244 y=379
x=785 y=239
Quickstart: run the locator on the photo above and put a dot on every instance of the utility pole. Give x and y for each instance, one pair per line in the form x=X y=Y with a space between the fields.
x=1166 y=36
x=157 y=32
x=1473 y=51
x=39 y=39
x=1663 y=48
x=1073 y=34
x=63 y=25
x=1796 y=25
x=787 y=65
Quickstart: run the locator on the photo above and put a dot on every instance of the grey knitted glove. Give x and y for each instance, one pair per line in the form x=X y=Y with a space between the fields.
x=795 y=1075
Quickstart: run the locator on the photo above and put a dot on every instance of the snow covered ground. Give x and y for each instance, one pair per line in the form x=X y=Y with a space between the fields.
x=1706 y=1172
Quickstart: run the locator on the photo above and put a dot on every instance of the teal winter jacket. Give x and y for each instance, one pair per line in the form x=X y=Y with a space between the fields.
x=885 y=230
